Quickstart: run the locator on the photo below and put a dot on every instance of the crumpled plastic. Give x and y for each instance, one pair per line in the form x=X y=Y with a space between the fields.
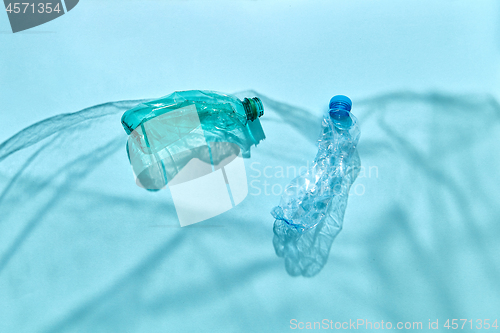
x=312 y=206
x=184 y=125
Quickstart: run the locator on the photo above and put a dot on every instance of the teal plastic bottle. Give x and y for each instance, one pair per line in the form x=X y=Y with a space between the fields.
x=166 y=133
x=216 y=110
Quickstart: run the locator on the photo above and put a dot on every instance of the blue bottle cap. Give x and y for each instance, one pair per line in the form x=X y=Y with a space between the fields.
x=341 y=102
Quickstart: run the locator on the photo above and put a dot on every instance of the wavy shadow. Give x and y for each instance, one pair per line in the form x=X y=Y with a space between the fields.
x=433 y=268
x=309 y=253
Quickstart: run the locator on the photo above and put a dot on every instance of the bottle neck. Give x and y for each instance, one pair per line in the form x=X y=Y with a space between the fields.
x=343 y=106
x=339 y=110
x=253 y=108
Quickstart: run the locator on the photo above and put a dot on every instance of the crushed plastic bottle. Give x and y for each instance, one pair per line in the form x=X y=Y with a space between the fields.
x=167 y=133
x=311 y=210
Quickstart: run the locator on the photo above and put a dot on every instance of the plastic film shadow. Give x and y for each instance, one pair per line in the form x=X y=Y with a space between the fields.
x=395 y=120
x=423 y=236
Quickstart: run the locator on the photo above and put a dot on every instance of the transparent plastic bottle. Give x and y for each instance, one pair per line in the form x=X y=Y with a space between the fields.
x=308 y=197
x=166 y=133
x=311 y=211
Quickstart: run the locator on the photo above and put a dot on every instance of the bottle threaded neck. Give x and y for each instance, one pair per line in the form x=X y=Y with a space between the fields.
x=340 y=102
x=253 y=108
x=340 y=106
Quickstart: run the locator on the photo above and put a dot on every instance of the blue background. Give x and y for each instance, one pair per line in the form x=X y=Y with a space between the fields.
x=82 y=248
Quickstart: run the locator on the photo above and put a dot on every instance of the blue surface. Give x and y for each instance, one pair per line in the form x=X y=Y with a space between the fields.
x=420 y=237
